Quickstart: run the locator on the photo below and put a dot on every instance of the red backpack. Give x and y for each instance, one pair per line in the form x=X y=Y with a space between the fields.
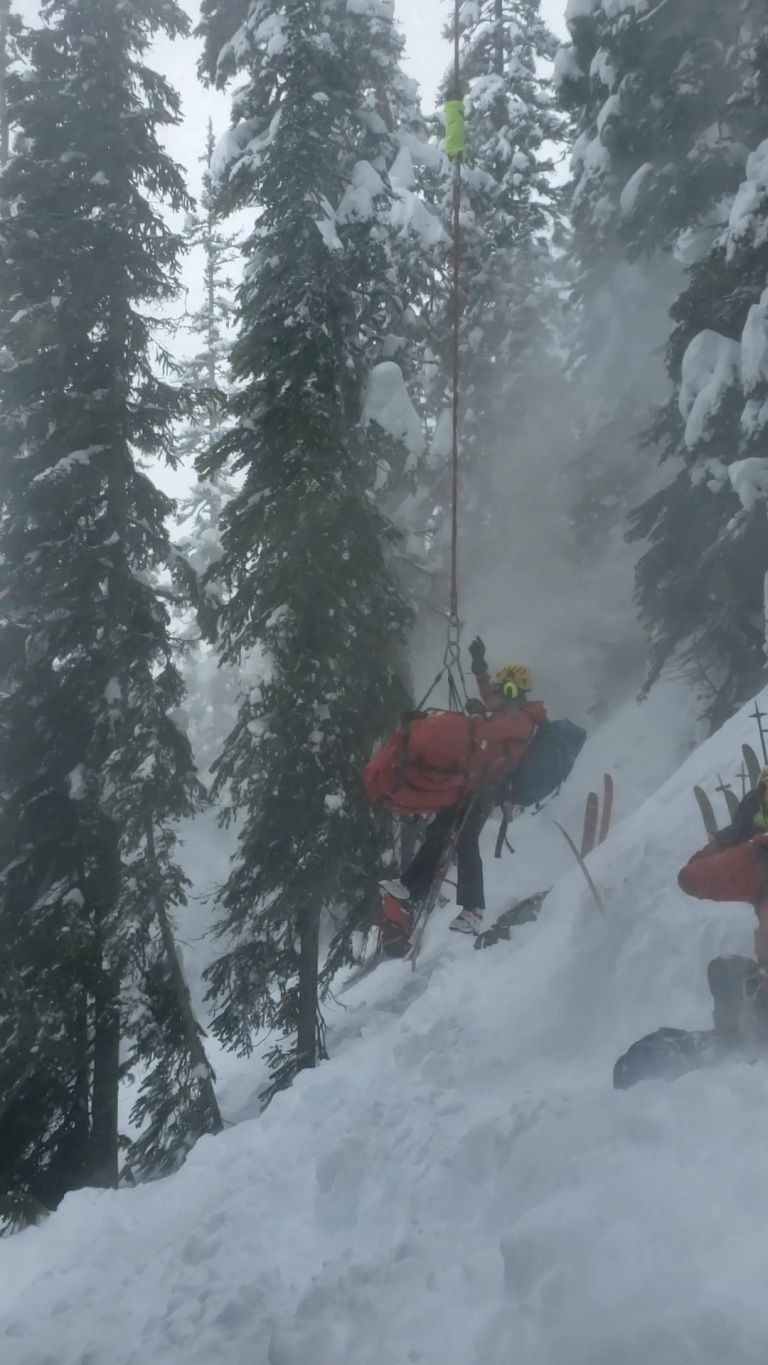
x=429 y=764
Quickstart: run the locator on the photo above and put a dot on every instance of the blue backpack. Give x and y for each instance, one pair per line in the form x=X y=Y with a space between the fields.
x=550 y=758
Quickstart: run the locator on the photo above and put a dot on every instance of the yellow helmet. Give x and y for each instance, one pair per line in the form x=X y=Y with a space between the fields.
x=517 y=675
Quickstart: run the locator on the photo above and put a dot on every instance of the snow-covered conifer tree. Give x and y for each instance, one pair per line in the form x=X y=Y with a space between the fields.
x=647 y=85
x=653 y=161
x=701 y=580
x=212 y=690
x=208 y=368
x=95 y=772
x=303 y=568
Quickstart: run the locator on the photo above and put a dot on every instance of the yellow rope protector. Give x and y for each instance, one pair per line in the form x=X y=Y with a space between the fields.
x=455 y=129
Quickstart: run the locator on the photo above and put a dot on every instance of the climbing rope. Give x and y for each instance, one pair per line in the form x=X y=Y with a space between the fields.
x=455 y=146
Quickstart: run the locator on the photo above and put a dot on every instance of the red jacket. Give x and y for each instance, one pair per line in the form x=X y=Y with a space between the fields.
x=437 y=760
x=504 y=736
x=739 y=873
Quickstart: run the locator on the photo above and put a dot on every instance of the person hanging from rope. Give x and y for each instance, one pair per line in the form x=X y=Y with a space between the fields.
x=459 y=766
x=453 y=765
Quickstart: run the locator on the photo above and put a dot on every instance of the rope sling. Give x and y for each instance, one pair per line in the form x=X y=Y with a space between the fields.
x=456 y=148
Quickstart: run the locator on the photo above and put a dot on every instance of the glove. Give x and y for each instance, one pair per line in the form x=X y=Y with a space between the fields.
x=477 y=655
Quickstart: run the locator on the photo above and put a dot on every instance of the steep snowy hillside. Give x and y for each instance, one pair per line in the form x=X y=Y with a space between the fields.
x=460 y=1185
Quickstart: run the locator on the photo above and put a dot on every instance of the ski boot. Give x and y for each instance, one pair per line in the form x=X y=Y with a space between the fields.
x=467 y=922
x=740 y=999
x=396 y=889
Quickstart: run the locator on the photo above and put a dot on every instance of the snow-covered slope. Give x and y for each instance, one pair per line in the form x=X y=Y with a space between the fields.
x=459 y=1185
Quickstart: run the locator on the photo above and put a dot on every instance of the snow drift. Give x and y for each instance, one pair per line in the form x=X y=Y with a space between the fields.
x=460 y=1185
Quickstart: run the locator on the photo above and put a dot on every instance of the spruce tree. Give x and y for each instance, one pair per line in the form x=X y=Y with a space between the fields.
x=647 y=86
x=212 y=690
x=95 y=771
x=700 y=582
x=207 y=369
x=303 y=565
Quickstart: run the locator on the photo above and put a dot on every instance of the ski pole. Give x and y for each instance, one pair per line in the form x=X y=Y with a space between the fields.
x=758 y=716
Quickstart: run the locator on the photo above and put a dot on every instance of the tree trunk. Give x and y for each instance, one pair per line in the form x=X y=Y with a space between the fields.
x=102 y=889
x=209 y=246
x=106 y=889
x=5 y=137
x=306 y=1042
x=194 y=1043
x=81 y=1136
x=210 y=289
x=498 y=37
x=499 y=66
x=104 y=1166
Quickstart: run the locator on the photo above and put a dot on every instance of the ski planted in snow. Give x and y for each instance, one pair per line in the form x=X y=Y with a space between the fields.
x=731 y=799
x=598 y=813
x=591 y=817
x=759 y=716
x=585 y=870
x=752 y=763
x=707 y=811
x=607 y=812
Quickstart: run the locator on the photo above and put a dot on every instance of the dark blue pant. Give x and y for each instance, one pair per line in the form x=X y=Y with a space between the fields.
x=421 y=872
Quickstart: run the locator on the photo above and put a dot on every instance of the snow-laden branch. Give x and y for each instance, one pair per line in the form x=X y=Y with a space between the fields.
x=711 y=366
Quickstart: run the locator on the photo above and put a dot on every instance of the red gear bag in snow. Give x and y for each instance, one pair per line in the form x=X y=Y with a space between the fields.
x=435 y=761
